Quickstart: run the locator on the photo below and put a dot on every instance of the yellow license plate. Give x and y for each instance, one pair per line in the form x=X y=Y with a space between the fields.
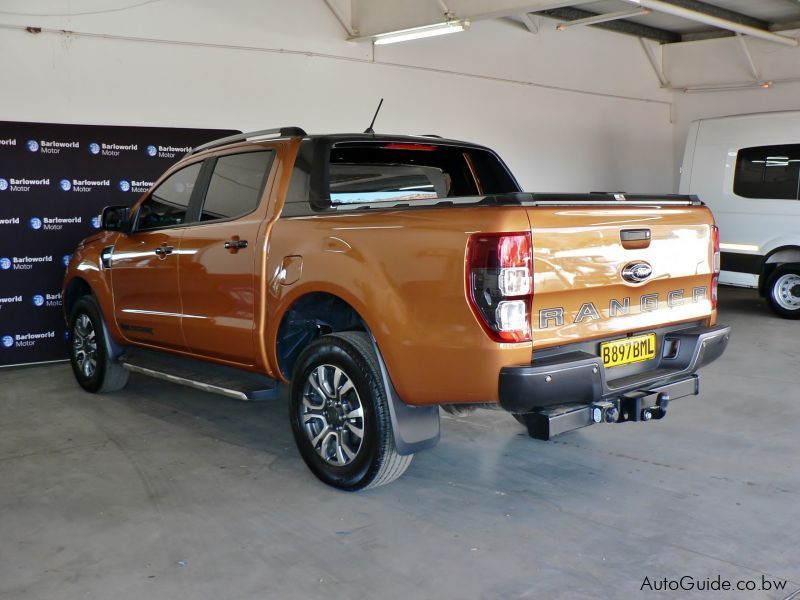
x=628 y=350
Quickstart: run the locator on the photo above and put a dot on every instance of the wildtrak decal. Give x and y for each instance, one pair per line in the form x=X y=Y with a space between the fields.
x=137 y=328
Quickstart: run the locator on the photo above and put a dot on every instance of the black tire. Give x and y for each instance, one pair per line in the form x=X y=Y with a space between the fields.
x=85 y=325
x=783 y=291
x=375 y=460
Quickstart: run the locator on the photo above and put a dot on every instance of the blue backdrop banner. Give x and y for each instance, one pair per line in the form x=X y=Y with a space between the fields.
x=54 y=182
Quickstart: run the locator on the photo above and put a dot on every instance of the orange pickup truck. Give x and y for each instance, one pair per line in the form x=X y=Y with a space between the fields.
x=384 y=276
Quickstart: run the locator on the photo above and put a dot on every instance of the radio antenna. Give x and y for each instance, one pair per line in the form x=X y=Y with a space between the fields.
x=370 y=129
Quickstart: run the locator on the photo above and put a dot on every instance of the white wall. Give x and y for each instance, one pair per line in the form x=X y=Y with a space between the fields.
x=573 y=111
x=723 y=62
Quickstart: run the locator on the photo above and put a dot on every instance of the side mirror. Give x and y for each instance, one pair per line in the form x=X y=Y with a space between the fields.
x=116 y=218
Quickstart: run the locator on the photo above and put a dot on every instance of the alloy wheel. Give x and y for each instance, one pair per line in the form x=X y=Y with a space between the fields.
x=332 y=415
x=84 y=345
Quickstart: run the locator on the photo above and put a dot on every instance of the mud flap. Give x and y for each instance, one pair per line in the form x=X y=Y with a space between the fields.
x=415 y=428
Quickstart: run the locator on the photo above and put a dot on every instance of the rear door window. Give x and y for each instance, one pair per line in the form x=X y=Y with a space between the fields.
x=408 y=173
x=771 y=172
x=236 y=185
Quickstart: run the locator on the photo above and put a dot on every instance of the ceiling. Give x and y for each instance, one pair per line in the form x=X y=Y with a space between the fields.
x=664 y=21
x=770 y=15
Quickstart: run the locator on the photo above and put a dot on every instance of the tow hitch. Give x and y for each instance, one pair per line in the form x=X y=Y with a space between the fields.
x=639 y=405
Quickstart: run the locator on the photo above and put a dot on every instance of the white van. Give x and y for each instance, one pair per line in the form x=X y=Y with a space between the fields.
x=747 y=169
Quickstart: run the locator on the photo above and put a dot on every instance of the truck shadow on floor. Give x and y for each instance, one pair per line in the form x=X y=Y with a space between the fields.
x=262 y=426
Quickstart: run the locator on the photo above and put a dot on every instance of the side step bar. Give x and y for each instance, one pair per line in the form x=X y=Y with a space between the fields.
x=641 y=405
x=208 y=377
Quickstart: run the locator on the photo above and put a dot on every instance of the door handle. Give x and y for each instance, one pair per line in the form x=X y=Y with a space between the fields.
x=235 y=245
x=163 y=251
x=635 y=239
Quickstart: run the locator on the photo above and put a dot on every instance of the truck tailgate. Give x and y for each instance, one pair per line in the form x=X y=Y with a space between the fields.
x=587 y=260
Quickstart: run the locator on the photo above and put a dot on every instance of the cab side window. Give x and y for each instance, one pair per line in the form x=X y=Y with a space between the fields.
x=168 y=203
x=236 y=185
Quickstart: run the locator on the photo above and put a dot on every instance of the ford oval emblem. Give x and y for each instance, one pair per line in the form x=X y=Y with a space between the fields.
x=637 y=272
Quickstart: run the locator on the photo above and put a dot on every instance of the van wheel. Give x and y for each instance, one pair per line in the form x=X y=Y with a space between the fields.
x=93 y=367
x=783 y=291
x=340 y=414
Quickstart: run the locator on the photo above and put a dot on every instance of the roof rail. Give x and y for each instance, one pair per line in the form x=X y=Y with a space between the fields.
x=239 y=137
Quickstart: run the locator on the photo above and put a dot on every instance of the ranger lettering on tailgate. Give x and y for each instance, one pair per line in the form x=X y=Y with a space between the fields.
x=554 y=317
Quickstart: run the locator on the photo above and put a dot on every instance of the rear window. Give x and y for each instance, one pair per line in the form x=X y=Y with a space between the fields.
x=771 y=172
x=236 y=185
x=400 y=173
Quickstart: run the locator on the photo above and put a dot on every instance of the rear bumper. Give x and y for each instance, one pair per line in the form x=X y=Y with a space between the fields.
x=579 y=378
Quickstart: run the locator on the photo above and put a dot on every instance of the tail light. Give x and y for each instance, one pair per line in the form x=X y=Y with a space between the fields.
x=716 y=266
x=500 y=284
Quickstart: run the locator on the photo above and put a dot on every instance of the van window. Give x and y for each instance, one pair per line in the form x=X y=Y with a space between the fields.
x=400 y=172
x=771 y=172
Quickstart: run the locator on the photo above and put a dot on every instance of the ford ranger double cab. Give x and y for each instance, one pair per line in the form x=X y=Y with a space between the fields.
x=381 y=277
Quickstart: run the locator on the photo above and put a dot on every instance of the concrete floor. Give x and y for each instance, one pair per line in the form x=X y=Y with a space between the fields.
x=164 y=492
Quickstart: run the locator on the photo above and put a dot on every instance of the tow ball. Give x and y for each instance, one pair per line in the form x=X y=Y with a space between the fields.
x=640 y=405
x=630 y=408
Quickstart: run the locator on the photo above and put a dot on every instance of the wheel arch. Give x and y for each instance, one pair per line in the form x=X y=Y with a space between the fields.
x=318 y=313
x=308 y=317
x=782 y=255
x=73 y=291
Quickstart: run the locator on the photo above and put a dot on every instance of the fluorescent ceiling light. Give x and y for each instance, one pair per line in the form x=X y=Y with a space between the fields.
x=730 y=87
x=416 y=33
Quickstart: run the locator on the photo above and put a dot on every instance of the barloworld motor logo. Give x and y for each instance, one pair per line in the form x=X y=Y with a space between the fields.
x=16 y=184
x=64 y=259
x=167 y=151
x=53 y=223
x=136 y=186
x=94 y=148
x=83 y=185
x=97 y=222
x=25 y=263
x=26 y=339
x=38 y=300
x=51 y=146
